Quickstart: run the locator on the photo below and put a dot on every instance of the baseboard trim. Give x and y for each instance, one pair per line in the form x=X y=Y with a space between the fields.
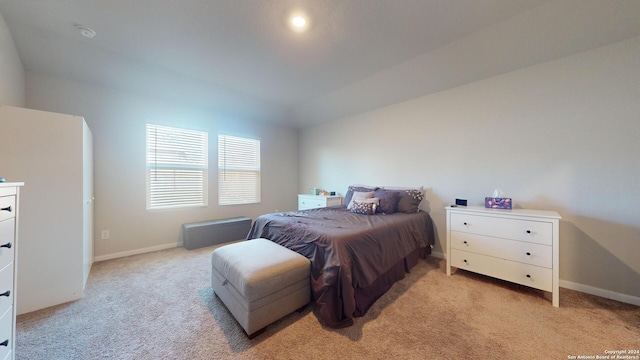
x=438 y=254
x=608 y=294
x=136 y=252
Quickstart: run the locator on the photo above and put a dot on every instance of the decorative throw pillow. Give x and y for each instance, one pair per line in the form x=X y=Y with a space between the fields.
x=410 y=198
x=357 y=195
x=388 y=200
x=373 y=200
x=363 y=208
x=354 y=188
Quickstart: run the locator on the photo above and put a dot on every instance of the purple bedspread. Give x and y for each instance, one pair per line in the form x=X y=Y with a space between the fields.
x=347 y=251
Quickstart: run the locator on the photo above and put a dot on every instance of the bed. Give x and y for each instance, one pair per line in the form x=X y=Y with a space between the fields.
x=355 y=257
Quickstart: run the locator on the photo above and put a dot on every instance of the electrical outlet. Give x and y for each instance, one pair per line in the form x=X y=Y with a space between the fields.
x=105 y=234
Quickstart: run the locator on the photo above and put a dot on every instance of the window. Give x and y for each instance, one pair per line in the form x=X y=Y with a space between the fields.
x=238 y=170
x=176 y=167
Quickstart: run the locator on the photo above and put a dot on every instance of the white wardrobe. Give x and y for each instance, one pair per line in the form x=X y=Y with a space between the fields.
x=53 y=155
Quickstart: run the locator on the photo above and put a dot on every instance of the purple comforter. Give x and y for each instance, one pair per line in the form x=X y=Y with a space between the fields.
x=347 y=251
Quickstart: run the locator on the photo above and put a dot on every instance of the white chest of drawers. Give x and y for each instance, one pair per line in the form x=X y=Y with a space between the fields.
x=317 y=201
x=518 y=245
x=9 y=194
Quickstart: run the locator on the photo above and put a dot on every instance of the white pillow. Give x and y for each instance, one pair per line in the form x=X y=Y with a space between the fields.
x=357 y=195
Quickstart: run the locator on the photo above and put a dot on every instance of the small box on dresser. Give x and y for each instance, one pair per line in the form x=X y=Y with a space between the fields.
x=9 y=198
x=519 y=245
x=317 y=201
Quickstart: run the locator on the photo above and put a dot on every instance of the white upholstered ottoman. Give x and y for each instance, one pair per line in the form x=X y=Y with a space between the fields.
x=260 y=281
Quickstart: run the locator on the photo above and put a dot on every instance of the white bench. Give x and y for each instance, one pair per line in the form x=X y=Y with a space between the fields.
x=260 y=282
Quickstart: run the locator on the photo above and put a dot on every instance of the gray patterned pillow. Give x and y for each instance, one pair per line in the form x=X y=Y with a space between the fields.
x=363 y=208
x=410 y=201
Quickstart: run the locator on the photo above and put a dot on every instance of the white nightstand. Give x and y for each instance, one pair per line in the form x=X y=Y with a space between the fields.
x=317 y=201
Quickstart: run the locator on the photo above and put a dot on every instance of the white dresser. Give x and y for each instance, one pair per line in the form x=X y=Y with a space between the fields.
x=317 y=201
x=9 y=193
x=518 y=245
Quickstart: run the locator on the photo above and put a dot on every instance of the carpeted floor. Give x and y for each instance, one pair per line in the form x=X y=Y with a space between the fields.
x=161 y=306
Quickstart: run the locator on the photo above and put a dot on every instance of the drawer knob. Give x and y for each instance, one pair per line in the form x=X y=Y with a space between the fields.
x=7 y=245
x=528 y=254
x=5 y=343
x=8 y=208
x=528 y=231
x=465 y=242
x=465 y=224
x=529 y=276
x=465 y=261
x=6 y=293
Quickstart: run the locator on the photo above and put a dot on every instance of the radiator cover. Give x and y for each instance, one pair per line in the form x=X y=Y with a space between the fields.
x=207 y=233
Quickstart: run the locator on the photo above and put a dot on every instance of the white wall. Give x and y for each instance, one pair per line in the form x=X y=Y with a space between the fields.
x=11 y=70
x=562 y=135
x=117 y=120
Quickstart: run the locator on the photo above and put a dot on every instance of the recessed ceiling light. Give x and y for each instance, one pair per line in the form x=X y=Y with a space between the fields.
x=85 y=31
x=298 y=23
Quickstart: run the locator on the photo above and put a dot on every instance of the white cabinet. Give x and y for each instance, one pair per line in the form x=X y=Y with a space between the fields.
x=317 y=201
x=52 y=154
x=516 y=245
x=9 y=199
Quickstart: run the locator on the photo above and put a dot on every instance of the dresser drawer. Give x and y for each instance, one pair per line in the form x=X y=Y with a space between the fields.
x=516 y=229
x=525 y=274
x=306 y=203
x=7 y=207
x=524 y=252
x=7 y=229
x=6 y=288
x=9 y=196
x=6 y=330
x=317 y=201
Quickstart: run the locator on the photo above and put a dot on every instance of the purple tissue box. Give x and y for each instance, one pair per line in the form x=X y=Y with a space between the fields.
x=497 y=203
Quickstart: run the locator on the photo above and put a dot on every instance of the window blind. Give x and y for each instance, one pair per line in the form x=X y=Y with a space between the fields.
x=238 y=170
x=176 y=167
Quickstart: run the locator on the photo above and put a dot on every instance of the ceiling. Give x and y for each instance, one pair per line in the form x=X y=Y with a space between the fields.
x=234 y=54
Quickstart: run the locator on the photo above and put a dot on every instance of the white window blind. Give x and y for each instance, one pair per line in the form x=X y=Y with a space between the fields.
x=238 y=170
x=176 y=167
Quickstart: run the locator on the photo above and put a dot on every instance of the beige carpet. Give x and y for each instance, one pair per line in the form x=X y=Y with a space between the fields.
x=160 y=306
